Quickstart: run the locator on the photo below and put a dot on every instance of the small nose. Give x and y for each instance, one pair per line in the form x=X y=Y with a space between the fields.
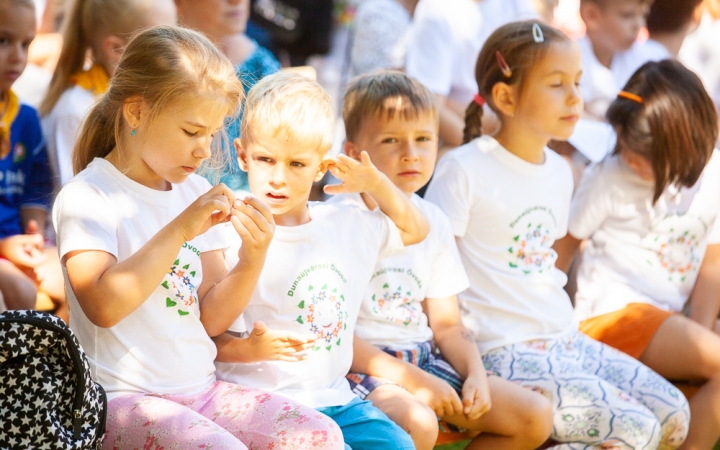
x=410 y=153
x=277 y=175
x=204 y=148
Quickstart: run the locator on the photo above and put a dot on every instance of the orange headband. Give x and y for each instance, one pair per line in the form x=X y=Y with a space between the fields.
x=630 y=96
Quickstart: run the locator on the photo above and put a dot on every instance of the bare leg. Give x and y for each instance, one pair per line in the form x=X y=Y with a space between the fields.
x=519 y=419
x=684 y=350
x=412 y=415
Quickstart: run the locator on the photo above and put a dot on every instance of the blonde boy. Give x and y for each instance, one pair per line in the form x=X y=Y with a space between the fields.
x=432 y=356
x=319 y=262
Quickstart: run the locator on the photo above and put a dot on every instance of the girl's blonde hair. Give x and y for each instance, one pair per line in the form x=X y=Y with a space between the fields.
x=290 y=105
x=161 y=65
x=86 y=23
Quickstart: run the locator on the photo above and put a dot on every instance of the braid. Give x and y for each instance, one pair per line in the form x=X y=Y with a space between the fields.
x=473 y=122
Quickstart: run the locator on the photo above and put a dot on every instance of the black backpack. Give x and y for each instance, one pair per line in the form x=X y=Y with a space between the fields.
x=47 y=397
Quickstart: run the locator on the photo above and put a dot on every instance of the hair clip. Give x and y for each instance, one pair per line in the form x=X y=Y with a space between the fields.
x=504 y=68
x=630 y=96
x=479 y=100
x=537 y=33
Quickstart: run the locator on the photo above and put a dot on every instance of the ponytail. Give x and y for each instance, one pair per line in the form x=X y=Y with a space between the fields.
x=162 y=65
x=473 y=122
x=72 y=56
x=507 y=57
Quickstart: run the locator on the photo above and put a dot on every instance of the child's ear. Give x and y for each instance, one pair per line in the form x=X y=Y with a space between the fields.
x=504 y=98
x=242 y=156
x=134 y=110
x=324 y=166
x=590 y=14
x=351 y=150
x=113 y=47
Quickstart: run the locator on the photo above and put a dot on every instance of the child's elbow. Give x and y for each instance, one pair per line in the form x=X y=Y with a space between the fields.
x=418 y=234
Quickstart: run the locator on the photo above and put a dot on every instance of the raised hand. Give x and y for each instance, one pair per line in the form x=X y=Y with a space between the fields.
x=254 y=222
x=208 y=210
x=267 y=345
x=355 y=176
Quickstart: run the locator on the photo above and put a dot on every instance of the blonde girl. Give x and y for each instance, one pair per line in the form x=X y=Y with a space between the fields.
x=649 y=214
x=143 y=257
x=95 y=32
x=508 y=199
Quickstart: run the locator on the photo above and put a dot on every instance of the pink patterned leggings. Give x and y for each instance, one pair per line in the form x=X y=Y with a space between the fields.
x=226 y=416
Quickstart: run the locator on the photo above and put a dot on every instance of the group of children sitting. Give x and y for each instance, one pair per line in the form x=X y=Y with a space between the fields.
x=218 y=320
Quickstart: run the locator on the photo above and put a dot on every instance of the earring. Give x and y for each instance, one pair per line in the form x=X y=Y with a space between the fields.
x=133 y=132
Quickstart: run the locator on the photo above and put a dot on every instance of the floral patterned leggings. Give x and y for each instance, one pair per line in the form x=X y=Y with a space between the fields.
x=602 y=398
x=226 y=416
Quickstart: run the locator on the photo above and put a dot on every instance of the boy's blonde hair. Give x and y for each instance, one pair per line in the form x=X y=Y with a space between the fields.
x=86 y=23
x=164 y=66
x=376 y=94
x=289 y=105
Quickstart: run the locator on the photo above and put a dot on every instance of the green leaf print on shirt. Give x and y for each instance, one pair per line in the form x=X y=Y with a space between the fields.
x=179 y=281
x=532 y=252
x=326 y=316
x=396 y=307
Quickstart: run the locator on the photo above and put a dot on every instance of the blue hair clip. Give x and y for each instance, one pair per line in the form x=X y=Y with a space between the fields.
x=537 y=33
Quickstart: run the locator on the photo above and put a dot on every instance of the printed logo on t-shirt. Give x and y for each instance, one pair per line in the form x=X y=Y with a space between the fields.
x=675 y=241
x=321 y=306
x=532 y=238
x=180 y=282
x=393 y=301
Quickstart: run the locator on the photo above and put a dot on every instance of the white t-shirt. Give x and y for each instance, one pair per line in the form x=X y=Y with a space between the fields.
x=313 y=282
x=161 y=347
x=506 y=214
x=61 y=128
x=392 y=314
x=699 y=53
x=600 y=85
x=638 y=252
x=446 y=37
x=379 y=38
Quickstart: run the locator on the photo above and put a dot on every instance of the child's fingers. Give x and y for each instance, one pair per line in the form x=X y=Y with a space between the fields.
x=257 y=217
x=348 y=162
x=222 y=189
x=245 y=235
x=261 y=207
x=455 y=405
x=334 y=189
x=365 y=158
x=249 y=224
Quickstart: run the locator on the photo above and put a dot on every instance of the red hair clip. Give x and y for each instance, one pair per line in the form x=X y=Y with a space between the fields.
x=630 y=96
x=504 y=68
x=479 y=100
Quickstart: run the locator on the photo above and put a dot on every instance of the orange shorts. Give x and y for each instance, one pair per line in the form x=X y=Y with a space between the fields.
x=629 y=330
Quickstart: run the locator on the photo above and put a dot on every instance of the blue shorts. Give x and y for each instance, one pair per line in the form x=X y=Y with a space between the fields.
x=365 y=427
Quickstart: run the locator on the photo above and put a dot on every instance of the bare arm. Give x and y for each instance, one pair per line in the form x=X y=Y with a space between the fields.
x=458 y=347
x=566 y=249
x=705 y=298
x=431 y=390
x=363 y=176
x=262 y=345
x=95 y=276
x=224 y=297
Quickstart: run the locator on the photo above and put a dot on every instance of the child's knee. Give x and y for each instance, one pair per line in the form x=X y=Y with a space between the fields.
x=538 y=419
x=421 y=424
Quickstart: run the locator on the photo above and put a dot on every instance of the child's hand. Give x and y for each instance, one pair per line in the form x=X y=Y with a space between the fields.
x=438 y=395
x=356 y=176
x=23 y=250
x=268 y=345
x=208 y=210
x=255 y=224
x=476 y=396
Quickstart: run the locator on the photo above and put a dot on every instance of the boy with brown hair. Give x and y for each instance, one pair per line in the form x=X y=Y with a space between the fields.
x=610 y=52
x=413 y=357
